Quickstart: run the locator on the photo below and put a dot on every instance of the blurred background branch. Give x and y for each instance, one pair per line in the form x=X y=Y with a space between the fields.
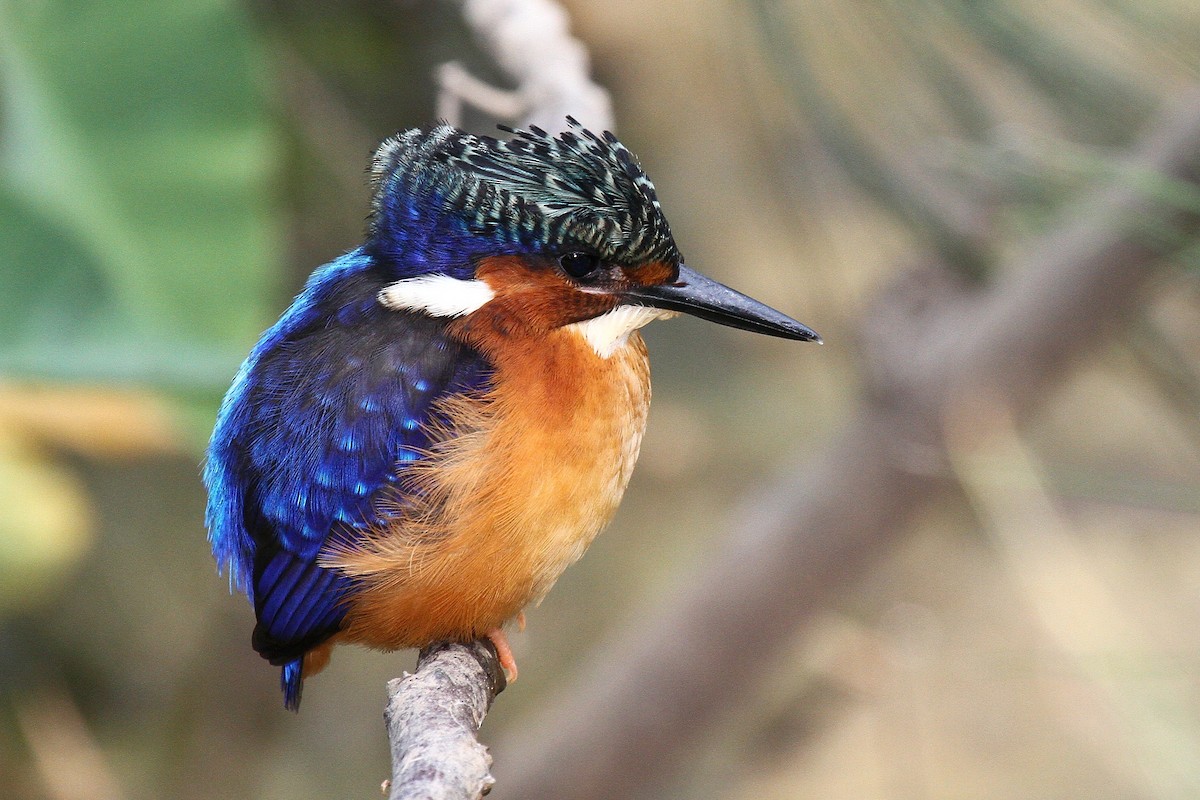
x=531 y=44
x=949 y=191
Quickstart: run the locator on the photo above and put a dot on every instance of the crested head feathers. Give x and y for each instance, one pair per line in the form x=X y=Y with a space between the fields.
x=444 y=197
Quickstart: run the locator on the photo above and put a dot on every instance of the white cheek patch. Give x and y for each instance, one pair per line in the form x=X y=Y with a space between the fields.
x=436 y=295
x=609 y=332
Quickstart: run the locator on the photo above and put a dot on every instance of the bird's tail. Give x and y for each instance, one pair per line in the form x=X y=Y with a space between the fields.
x=291 y=680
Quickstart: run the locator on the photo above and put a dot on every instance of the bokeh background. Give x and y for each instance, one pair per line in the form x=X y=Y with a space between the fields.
x=170 y=173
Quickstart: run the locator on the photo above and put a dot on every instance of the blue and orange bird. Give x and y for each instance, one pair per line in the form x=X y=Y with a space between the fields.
x=446 y=416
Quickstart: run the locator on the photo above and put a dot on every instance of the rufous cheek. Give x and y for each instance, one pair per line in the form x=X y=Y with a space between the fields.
x=531 y=299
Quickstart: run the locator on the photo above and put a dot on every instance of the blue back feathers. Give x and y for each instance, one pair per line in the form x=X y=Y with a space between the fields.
x=322 y=415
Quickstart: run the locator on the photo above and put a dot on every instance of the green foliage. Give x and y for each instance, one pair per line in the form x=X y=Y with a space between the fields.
x=137 y=238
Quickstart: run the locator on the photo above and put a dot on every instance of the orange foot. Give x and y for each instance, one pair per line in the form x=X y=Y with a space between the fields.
x=507 y=662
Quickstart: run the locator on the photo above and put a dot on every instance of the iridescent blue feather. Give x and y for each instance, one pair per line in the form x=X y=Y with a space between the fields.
x=323 y=415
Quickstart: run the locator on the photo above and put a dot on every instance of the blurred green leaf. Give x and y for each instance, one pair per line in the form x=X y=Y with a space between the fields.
x=137 y=237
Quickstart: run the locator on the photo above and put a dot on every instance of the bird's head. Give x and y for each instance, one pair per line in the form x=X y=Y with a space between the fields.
x=537 y=232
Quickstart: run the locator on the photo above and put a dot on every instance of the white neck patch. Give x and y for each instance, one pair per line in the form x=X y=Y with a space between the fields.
x=436 y=295
x=609 y=332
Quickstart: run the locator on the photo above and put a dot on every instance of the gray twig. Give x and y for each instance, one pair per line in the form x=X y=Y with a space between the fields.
x=530 y=41
x=432 y=718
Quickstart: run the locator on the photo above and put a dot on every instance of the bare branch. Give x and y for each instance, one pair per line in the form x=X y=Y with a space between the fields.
x=459 y=86
x=530 y=41
x=627 y=723
x=432 y=718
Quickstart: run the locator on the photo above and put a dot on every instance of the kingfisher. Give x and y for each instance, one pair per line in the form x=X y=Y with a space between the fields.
x=446 y=416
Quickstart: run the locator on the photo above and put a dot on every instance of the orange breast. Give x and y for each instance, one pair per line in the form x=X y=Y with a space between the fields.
x=525 y=478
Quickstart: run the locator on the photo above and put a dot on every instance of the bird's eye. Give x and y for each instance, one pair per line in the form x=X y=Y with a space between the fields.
x=577 y=265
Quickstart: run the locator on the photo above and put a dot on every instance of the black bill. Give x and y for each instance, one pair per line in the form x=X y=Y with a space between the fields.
x=703 y=297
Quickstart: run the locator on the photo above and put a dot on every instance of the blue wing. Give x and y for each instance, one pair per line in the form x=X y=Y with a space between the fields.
x=321 y=417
